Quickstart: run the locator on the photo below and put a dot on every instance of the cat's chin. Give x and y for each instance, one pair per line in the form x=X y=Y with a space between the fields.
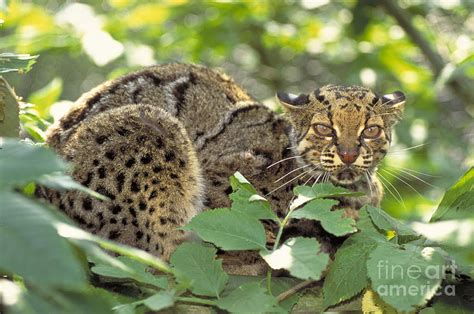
x=345 y=177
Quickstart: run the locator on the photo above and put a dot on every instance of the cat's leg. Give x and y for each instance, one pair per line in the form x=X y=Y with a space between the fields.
x=141 y=158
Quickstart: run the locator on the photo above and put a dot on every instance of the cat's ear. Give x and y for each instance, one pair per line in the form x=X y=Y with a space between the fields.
x=394 y=104
x=292 y=101
x=395 y=100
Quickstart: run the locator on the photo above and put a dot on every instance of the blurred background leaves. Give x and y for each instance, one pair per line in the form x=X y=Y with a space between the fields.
x=424 y=48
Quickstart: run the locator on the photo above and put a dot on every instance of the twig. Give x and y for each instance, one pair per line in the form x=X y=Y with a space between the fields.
x=282 y=296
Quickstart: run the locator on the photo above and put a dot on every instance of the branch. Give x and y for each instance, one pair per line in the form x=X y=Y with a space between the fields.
x=459 y=84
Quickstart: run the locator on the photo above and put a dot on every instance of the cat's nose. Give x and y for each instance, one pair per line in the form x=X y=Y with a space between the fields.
x=348 y=155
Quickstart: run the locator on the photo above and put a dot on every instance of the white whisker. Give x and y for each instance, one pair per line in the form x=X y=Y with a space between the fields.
x=284 y=176
x=399 y=198
x=370 y=185
x=301 y=174
x=406 y=149
x=417 y=178
x=285 y=159
x=398 y=178
x=413 y=171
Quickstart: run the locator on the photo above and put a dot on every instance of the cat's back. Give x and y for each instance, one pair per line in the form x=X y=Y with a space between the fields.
x=197 y=96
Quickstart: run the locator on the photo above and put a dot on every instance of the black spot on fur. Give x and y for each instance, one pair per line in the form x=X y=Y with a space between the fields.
x=139 y=235
x=152 y=210
x=88 y=180
x=146 y=159
x=170 y=156
x=100 y=216
x=216 y=183
x=110 y=155
x=142 y=206
x=162 y=204
x=100 y=139
x=92 y=101
x=157 y=168
x=101 y=172
x=132 y=211
x=114 y=234
x=155 y=181
x=87 y=204
x=320 y=98
x=135 y=222
x=129 y=201
x=179 y=93
x=159 y=143
x=162 y=188
x=95 y=162
x=163 y=221
x=115 y=209
x=147 y=224
x=79 y=219
x=153 y=195
x=135 y=95
x=101 y=190
x=145 y=174
x=124 y=221
x=134 y=186
x=148 y=238
x=151 y=76
x=90 y=225
x=173 y=176
x=181 y=163
x=120 y=181
x=122 y=131
x=113 y=220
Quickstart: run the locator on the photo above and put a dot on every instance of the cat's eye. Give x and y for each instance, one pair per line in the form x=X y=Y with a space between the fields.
x=323 y=130
x=372 y=132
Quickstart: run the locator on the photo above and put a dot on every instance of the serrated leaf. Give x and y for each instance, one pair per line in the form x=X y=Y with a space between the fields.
x=386 y=222
x=197 y=263
x=321 y=190
x=21 y=163
x=332 y=221
x=26 y=231
x=405 y=277
x=229 y=230
x=160 y=300
x=252 y=204
x=300 y=256
x=248 y=298
x=458 y=201
x=60 y=182
x=347 y=275
x=11 y=62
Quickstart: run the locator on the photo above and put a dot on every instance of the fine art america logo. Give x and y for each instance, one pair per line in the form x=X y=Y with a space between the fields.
x=415 y=280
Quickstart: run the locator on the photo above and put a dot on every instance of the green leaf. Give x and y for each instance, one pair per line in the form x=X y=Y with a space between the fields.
x=11 y=62
x=229 y=230
x=26 y=231
x=246 y=200
x=300 y=256
x=386 y=222
x=132 y=269
x=405 y=277
x=60 y=182
x=458 y=201
x=320 y=190
x=21 y=163
x=160 y=300
x=9 y=107
x=197 y=263
x=454 y=236
x=347 y=275
x=46 y=96
x=252 y=204
x=248 y=298
x=332 y=221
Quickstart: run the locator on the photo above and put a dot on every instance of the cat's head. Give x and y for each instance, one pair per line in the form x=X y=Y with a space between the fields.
x=345 y=131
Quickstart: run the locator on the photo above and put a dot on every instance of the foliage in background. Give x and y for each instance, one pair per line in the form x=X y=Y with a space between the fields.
x=31 y=228
x=424 y=48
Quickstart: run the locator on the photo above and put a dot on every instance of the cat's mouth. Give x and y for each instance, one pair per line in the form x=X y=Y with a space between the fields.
x=345 y=176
